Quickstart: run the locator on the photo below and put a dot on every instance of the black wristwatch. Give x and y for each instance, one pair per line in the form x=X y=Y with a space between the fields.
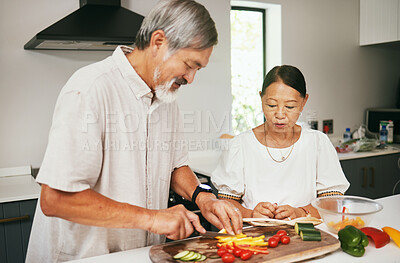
x=200 y=188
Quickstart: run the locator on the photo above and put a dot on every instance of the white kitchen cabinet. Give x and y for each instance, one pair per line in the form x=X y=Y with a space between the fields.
x=379 y=21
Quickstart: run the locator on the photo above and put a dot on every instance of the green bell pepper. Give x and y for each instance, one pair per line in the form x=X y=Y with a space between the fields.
x=353 y=241
x=357 y=251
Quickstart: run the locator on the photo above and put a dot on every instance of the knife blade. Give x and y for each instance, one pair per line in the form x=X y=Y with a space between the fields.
x=212 y=234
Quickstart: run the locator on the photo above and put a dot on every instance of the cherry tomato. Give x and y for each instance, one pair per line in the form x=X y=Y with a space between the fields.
x=281 y=233
x=277 y=237
x=228 y=258
x=273 y=241
x=285 y=239
x=245 y=255
x=237 y=252
x=221 y=251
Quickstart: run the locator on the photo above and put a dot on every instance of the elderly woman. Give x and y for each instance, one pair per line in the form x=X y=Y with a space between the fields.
x=276 y=169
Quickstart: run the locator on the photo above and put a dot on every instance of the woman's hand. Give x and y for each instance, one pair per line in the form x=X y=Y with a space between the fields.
x=287 y=212
x=264 y=209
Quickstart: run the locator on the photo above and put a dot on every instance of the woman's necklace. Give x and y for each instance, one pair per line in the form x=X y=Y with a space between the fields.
x=284 y=158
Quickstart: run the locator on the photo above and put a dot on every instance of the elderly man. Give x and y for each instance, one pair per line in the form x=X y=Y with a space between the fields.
x=116 y=146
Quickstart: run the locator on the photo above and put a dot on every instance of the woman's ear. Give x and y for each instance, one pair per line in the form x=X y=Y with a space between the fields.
x=304 y=102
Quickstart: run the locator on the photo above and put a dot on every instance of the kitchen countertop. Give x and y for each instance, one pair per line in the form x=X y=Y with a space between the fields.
x=389 y=216
x=17 y=188
x=204 y=162
x=394 y=148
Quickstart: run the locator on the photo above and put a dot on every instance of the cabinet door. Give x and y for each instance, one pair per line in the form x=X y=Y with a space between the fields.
x=361 y=174
x=389 y=174
x=14 y=234
x=379 y=21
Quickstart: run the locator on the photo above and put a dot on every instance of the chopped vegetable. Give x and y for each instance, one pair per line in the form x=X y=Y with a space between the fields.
x=393 y=233
x=181 y=254
x=358 y=222
x=303 y=226
x=379 y=237
x=356 y=251
x=310 y=235
x=256 y=250
x=353 y=241
x=242 y=239
x=188 y=255
x=350 y=236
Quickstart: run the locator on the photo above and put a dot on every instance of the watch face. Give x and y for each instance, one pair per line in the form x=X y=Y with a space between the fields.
x=205 y=187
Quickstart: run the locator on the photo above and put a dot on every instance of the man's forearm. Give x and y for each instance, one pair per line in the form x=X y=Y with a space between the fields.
x=184 y=182
x=91 y=208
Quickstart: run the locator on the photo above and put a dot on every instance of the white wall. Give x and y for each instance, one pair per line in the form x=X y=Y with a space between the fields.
x=318 y=36
x=321 y=37
x=31 y=80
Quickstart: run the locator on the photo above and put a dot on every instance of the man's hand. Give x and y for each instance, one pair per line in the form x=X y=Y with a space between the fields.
x=175 y=222
x=264 y=209
x=220 y=213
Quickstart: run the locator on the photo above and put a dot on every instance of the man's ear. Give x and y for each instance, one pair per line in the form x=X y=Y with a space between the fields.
x=157 y=41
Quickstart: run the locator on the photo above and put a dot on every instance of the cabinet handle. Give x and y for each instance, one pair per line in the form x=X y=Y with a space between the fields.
x=365 y=178
x=372 y=184
x=5 y=220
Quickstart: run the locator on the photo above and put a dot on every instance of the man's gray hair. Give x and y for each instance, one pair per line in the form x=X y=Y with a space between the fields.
x=186 y=24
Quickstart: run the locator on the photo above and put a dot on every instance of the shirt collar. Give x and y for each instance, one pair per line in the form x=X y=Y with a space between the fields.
x=135 y=82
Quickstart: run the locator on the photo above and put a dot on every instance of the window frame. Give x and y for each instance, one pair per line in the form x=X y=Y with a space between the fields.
x=262 y=11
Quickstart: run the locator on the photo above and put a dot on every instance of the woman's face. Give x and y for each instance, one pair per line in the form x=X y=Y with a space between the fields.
x=282 y=106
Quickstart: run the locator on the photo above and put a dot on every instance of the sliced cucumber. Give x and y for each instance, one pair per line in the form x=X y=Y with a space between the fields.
x=310 y=235
x=198 y=257
x=181 y=254
x=303 y=226
x=202 y=258
x=189 y=256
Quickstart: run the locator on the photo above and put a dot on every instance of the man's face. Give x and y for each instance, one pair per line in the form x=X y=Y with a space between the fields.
x=178 y=69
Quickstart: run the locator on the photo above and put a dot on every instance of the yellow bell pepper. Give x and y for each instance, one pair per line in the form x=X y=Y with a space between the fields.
x=242 y=239
x=393 y=233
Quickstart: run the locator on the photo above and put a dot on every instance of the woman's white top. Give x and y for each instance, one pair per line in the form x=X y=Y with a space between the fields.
x=247 y=171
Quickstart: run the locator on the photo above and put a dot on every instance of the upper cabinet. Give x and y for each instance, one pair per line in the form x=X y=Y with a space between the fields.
x=379 y=21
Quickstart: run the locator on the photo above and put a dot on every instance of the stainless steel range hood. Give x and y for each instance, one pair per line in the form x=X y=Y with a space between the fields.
x=96 y=25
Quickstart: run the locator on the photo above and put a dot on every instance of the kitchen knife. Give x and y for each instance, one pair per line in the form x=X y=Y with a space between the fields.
x=212 y=234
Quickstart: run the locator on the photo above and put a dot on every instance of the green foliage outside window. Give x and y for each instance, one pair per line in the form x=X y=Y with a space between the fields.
x=247 y=69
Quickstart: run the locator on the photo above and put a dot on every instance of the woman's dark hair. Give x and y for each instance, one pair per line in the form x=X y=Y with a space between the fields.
x=289 y=75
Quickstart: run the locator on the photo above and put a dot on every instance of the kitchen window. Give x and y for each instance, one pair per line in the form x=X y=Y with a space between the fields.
x=250 y=59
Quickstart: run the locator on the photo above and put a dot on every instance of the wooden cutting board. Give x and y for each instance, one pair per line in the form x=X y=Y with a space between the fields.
x=296 y=250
